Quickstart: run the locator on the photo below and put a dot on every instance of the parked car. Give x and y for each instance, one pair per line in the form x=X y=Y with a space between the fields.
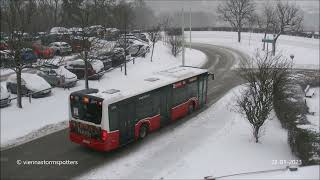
x=59 y=31
x=4 y=97
x=28 y=55
x=105 y=56
x=58 y=76
x=95 y=68
x=5 y=57
x=43 y=51
x=61 y=48
x=3 y=45
x=119 y=56
x=31 y=83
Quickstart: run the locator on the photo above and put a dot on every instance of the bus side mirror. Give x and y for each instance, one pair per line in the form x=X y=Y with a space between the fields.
x=212 y=75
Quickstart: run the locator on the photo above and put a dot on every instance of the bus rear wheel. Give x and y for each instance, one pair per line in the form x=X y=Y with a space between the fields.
x=191 y=109
x=143 y=131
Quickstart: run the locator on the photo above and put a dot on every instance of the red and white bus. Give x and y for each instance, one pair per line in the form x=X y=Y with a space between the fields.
x=105 y=119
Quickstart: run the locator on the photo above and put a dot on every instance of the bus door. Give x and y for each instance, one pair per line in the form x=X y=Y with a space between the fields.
x=202 y=89
x=126 y=122
x=164 y=106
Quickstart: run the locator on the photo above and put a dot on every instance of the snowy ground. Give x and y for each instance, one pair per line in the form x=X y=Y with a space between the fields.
x=216 y=142
x=46 y=115
x=305 y=50
x=307 y=172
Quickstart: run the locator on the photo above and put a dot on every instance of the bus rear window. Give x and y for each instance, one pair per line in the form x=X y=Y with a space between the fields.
x=86 y=108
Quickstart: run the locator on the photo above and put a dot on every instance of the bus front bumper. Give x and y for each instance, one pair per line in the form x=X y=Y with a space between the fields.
x=92 y=143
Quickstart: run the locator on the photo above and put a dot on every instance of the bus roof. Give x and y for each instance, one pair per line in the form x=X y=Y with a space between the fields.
x=130 y=87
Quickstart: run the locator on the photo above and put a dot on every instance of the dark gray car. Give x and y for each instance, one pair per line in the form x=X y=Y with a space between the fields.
x=58 y=76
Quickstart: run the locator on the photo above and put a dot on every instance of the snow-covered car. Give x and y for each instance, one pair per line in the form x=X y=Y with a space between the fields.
x=27 y=57
x=95 y=68
x=76 y=31
x=5 y=57
x=31 y=84
x=138 y=48
x=58 y=76
x=59 y=30
x=4 y=97
x=61 y=48
x=105 y=57
x=3 y=45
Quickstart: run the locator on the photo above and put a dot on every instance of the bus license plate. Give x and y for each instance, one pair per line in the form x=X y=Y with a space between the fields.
x=86 y=141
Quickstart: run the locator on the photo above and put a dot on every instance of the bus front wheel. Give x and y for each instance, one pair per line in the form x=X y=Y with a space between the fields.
x=143 y=131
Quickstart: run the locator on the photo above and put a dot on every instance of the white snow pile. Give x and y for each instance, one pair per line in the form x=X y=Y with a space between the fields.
x=305 y=50
x=216 y=142
x=52 y=110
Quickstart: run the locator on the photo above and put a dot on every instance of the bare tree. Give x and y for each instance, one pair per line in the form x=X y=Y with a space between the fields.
x=265 y=75
x=268 y=20
x=289 y=17
x=237 y=13
x=17 y=15
x=123 y=16
x=154 y=36
x=175 y=43
x=81 y=13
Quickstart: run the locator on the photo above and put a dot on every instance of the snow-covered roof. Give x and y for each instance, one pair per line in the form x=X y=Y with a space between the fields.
x=61 y=70
x=58 y=29
x=97 y=65
x=59 y=43
x=75 y=29
x=132 y=86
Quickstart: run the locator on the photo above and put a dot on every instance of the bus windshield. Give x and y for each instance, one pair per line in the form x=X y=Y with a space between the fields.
x=86 y=109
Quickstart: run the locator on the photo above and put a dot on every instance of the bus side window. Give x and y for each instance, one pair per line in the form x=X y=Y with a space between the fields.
x=193 y=89
x=113 y=118
x=144 y=108
x=179 y=95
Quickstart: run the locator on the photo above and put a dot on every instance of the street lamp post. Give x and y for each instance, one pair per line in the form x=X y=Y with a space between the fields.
x=292 y=57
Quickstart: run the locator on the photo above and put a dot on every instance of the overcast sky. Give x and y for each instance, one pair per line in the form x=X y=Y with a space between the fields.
x=310 y=8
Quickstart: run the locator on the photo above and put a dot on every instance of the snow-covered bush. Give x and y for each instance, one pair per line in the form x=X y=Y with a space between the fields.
x=304 y=144
x=291 y=110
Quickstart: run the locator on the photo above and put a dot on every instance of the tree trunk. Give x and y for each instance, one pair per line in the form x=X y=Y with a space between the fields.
x=152 y=51
x=86 y=70
x=19 y=88
x=239 y=35
x=256 y=134
x=264 y=43
x=274 y=47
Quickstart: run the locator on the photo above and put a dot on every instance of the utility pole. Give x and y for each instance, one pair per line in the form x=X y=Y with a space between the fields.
x=190 y=29
x=182 y=31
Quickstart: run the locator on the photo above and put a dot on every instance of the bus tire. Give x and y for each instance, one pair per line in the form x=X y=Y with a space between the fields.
x=143 y=132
